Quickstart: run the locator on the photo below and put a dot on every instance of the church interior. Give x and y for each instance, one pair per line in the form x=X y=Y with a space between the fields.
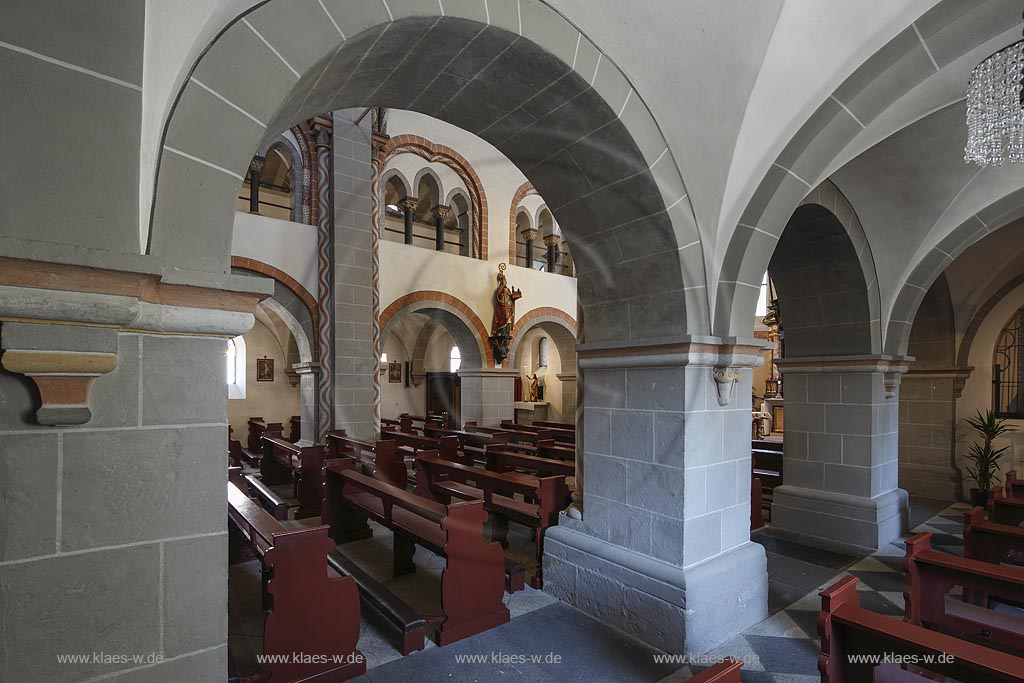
x=519 y=340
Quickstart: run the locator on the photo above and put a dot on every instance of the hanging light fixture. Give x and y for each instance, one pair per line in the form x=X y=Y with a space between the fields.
x=995 y=116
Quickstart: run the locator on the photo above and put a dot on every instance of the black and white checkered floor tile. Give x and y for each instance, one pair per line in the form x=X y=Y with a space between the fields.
x=784 y=647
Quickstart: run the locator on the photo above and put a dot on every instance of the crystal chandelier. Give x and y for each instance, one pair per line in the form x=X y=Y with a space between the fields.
x=995 y=117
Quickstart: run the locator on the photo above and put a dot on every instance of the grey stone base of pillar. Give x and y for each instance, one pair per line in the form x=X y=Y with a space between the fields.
x=926 y=481
x=838 y=521
x=678 y=610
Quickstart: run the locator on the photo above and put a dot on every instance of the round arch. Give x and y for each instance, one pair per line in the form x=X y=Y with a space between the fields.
x=212 y=131
x=459 y=319
x=522 y=192
x=825 y=301
x=558 y=324
x=393 y=179
x=442 y=154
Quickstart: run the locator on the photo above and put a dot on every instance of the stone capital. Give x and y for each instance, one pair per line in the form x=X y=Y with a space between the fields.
x=959 y=375
x=552 y=240
x=408 y=205
x=529 y=234
x=691 y=350
x=441 y=212
x=257 y=163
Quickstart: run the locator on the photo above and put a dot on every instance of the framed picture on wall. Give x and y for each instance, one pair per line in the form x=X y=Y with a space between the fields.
x=395 y=372
x=264 y=369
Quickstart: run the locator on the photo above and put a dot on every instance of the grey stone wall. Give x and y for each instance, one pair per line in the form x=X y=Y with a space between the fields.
x=665 y=530
x=840 y=469
x=927 y=442
x=487 y=395
x=112 y=535
x=355 y=361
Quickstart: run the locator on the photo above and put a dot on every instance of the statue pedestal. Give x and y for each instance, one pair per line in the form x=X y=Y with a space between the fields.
x=528 y=412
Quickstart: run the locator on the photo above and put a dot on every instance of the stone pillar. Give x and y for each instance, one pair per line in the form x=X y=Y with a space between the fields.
x=323 y=127
x=551 y=242
x=309 y=381
x=568 y=395
x=840 y=468
x=529 y=235
x=487 y=395
x=408 y=206
x=663 y=548
x=927 y=432
x=440 y=213
x=113 y=529
x=355 y=360
x=255 y=168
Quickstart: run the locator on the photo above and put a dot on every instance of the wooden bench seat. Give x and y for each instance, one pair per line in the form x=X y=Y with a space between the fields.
x=380 y=459
x=567 y=436
x=499 y=460
x=311 y=608
x=1003 y=510
x=258 y=428
x=931 y=576
x=991 y=542
x=473 y=580
x=555 y=425
x=410 y=445
x=295 y=428
x=439 y=478
x=302 y=466
x=411 y=624
x=849 y=632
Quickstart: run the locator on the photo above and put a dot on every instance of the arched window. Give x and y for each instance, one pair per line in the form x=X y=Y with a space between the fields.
x=455 y=359
x=542 y=352
x=1008 y=369
x=235 y=361
x=762 y=298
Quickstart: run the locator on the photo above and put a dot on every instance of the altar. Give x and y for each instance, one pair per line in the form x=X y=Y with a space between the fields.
x=528 y=412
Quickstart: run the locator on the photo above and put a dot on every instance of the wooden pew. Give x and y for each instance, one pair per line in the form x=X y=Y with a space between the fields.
x=295 y=428
x=555 y=425
x=727 y=671
x=766 y=464
x=258 y=428
x=301 y=466
x=756 y=506
x=528 y=442
x=312 y=609
x=1013 y=486
x=563 y=436
x=1003 y=510
x=500 y=460
x=472 y=584
x=931 y=575
x=380 y=459
x=989 y=541
x=442 y=479
x=471 y=444
x=234 y=450
x=411 y=445
x=418 y=422
x=849 y=632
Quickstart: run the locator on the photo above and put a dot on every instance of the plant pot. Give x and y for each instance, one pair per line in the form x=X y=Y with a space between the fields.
x=979 y=498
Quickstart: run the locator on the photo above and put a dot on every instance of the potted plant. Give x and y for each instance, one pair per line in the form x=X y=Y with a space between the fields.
x=983 y=457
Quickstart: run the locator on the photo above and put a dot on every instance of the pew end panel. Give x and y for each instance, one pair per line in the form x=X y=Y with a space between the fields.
x=473 y=580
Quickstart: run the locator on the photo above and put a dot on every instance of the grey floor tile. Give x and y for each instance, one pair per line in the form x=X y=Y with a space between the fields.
x=786 y=655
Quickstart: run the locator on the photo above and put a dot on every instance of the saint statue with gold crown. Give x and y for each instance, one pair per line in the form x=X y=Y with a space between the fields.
x=504 y=316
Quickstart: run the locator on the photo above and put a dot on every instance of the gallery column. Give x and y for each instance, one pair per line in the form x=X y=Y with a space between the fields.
x=529 y=235
x=408 y=207
x=440 y=214
x=841 y=458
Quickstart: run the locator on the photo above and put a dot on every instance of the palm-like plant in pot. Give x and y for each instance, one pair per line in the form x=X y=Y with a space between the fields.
x=984 y=457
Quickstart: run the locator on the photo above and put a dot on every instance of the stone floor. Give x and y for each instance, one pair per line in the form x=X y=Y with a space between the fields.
x=550 y=641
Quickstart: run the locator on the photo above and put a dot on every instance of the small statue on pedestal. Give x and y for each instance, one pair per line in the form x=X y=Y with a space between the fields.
x=534 y=388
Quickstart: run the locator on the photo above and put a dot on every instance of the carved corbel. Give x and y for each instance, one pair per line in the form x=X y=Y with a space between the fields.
x=725 y=379
x=63 y=361
x=64 y=379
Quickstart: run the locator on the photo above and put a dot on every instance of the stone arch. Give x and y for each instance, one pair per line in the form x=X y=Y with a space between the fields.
x=252 y=265
x=963 y=353
x=302 y=344
x=394 y=181
x=603 y=126
x=805 y=158
x=825 y=300
x=442 y=154
x=429 y=191
x=558 y=324
x=464 y=325
x=524 y=190
x=933 y=261
x=546 y=225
